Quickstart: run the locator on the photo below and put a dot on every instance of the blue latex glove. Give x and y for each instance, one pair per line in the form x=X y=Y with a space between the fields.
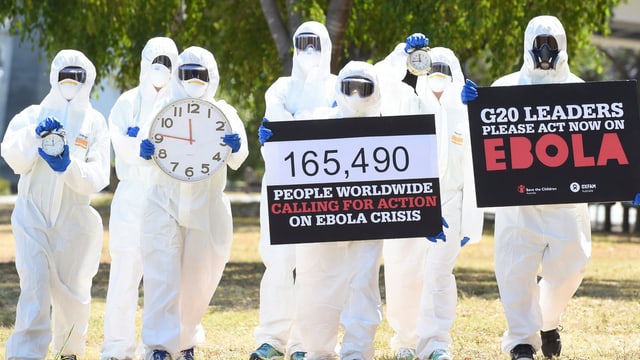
x=147 y=149
x=233 y=140
x=464 y=241
x=441 y=235
x=469 y=91
x=415 y=41
x=263 y=133
x=48 y=124
x=636 y=200
x=132 y=131
x=57 y=163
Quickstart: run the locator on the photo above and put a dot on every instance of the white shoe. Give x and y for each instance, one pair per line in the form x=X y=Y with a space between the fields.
x=440 y=354
x=406 y=354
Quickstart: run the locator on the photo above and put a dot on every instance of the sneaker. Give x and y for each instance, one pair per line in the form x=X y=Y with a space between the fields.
x=406 y=354
x=298 y=355
x=266 y=352
x=440 y=354
x=522 y=352
x=160 y=355
x=68 y=357
x=186 y=354
x=551 y=344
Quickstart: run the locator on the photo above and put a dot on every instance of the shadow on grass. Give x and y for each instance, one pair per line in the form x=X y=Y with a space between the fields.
x=240 y=286
x=472 y=282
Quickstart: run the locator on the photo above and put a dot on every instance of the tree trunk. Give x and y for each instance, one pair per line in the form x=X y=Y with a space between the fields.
x=279 y=33
x=337 y=17
x=338 y=14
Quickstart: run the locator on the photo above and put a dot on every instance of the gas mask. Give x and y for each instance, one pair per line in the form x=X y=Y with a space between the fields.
x=160 y=71
x=356 y=85
x=195 y=88
x=545 y=52
x=438 y=82
x=309 y=59
x=308 y=49
x=439 y=77
x=356 y=96
x=194 y=79
x=70 y=81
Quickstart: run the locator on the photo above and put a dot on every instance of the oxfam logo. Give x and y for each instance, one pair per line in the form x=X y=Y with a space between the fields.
x=575 y=187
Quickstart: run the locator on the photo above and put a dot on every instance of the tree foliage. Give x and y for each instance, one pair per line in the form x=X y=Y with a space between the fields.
x=487 y=35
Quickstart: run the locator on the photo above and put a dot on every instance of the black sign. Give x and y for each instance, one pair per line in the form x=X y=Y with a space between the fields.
x=352 y=179
x=556 y=143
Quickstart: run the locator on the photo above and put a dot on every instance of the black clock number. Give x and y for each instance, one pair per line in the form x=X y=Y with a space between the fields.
x=188 y=171
x=193 y=108
x=220 y=125
x=175 y=165
x=177 y=111
x=205 y=169
x=158 y=138
x=166 y=122
x=162 y=153
x=217 y=157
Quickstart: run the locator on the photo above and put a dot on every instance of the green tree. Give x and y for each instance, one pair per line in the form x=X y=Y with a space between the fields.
x=252 y=44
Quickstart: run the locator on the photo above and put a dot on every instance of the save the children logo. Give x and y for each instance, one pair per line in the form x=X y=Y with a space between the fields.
x=521 y=189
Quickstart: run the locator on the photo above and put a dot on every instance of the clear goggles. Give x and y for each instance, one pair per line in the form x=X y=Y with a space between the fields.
x=307 y=40
x=74 y=73
x=548 y=40
x=440 y=67
x=193 y=71
x=163 y=60
x=357 y=85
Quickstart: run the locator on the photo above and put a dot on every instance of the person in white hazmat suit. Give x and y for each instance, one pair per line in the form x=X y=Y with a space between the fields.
x=550 y=241
x=58 y=234
x=310 y=86
x=133 y=109
x=337 y=282
x=187 y=230
x=421 y=305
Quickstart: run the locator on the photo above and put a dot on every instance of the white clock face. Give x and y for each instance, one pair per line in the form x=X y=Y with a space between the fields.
x=419 y=62
x=188 y=135
x=53 y=144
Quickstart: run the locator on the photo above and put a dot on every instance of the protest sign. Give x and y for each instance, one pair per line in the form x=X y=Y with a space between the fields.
x=352 y=179
x=556 y=143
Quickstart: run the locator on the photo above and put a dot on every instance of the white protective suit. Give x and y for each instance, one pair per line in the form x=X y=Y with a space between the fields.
x=399 y=98
x=186 y=234
x=134 y=108
x=421 y=305
x=58 y=234
x=288 y=98
x=337 y=282
x=554 y=238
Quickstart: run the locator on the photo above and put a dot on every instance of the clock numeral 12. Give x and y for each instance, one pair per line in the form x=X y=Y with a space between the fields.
x=193 y=108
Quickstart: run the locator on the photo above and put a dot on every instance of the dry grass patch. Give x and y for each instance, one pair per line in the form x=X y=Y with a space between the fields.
x=601 y=322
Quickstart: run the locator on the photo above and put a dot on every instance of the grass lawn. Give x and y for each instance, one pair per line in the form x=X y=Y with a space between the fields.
x=601 y=322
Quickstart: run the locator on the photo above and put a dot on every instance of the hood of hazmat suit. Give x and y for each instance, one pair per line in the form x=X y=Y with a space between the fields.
x=354 y=103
